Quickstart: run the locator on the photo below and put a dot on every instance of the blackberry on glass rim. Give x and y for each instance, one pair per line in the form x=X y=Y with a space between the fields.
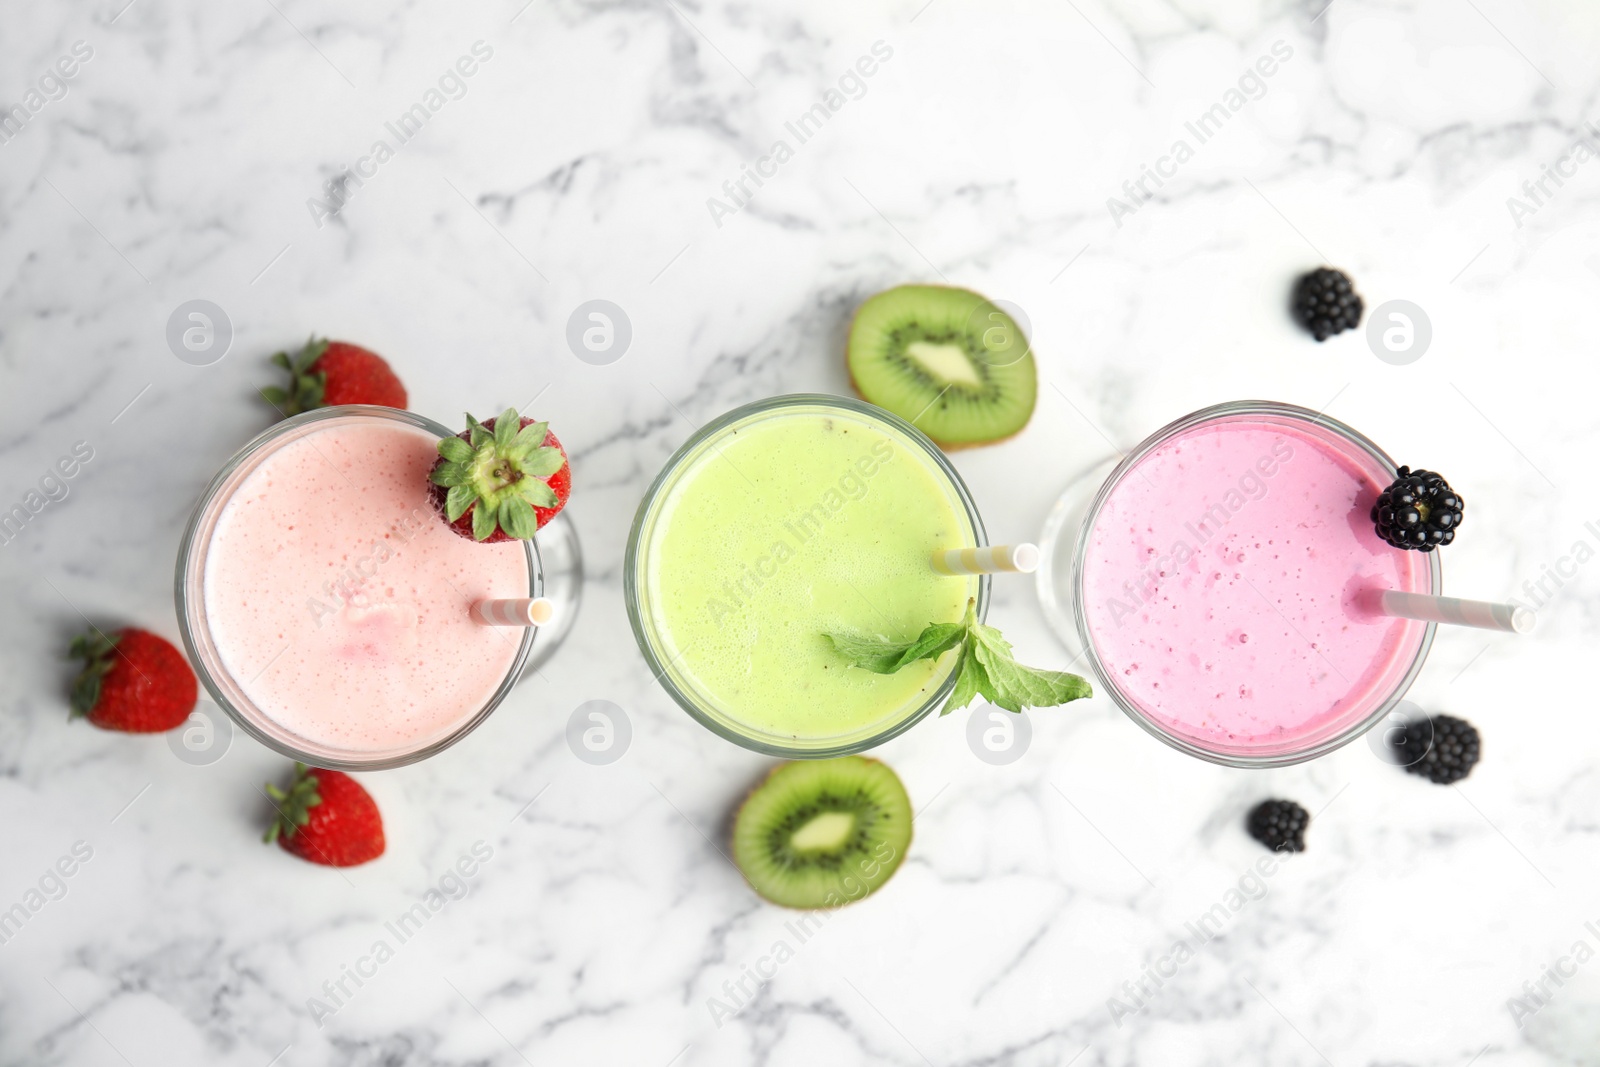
x=1418 y=511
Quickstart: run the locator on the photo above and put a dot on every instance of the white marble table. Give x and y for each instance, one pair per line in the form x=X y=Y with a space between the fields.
x=585 y=158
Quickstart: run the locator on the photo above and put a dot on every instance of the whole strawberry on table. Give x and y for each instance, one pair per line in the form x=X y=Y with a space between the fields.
x=328 y=373
x=132 y=680
x=326 y=817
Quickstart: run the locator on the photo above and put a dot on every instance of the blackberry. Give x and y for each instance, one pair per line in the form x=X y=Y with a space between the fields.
x=1325 y=303
x=1279 y=824
x=1442 y=749
x=1419 y=510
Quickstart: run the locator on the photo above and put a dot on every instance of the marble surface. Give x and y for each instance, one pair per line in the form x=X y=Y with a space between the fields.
x=188 y=157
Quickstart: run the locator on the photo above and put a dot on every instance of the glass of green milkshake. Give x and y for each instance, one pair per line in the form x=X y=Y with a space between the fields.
x=779 y=522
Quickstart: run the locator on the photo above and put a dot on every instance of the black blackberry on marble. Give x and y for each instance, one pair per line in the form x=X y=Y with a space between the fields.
x=1443 y=749
x=1325 y=303
x=1279 y=824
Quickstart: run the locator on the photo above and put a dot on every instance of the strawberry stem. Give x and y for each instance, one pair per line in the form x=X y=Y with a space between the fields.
x=294 y=805
x=499 y=475
x=306 y=388
x=97 y=650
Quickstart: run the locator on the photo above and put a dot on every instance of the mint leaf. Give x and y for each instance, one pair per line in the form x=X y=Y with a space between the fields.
x=934 y=641
x=985 y=666
x=876 y=654
x=883 y=656
x=969 y=680
x=992 y=639
x=1017 y=686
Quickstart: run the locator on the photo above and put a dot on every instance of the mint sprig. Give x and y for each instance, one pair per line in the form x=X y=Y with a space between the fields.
x=986 y=667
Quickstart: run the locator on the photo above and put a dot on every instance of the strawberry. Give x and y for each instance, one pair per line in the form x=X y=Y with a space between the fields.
x=326 y=817
x=500 y=480
x=132 y=681
x=328 y=373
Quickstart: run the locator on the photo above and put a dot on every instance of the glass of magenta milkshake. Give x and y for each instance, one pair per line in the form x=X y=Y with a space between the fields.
x=328 y=607
x=1224 y=579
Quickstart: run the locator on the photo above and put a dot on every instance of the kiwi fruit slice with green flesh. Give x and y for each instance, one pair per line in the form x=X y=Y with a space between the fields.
x=949 y=361
x=823 y=833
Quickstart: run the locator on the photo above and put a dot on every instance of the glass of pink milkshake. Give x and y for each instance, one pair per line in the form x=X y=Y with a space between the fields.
x=1224 y=579
x=326 y=605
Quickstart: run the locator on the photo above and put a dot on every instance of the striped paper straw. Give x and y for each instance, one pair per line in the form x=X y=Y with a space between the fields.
x=1451 y=611
x=991 y=559
x=523 y=612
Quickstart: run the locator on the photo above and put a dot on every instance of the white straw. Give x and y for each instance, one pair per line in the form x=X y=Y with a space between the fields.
x=991 y=559
x=524 y=612
x=1451 y=611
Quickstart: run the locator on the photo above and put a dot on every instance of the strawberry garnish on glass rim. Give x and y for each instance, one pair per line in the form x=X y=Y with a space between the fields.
x=501 y=480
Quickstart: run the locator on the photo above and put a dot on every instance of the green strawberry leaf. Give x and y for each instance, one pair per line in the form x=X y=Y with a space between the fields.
x=543 y=462
x=506 y=425
x=531 y=436
x=97 y=650
x=85 y=692
x=448 y=475
x=292 y=806
x=91 y=646
x=483 y=522
x=309 y=390
x=537 y=493
x=478 y=434
x=458 y=500
x=309 y=354
x=455 y=450
x=517 y=518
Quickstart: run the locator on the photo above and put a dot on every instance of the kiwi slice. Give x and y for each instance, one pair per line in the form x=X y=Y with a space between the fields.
x=823 y=833
x=950 y=362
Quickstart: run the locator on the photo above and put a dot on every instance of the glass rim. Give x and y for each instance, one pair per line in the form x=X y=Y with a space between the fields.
x=1222 y=755
x=632 y=563
x=196 y=634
